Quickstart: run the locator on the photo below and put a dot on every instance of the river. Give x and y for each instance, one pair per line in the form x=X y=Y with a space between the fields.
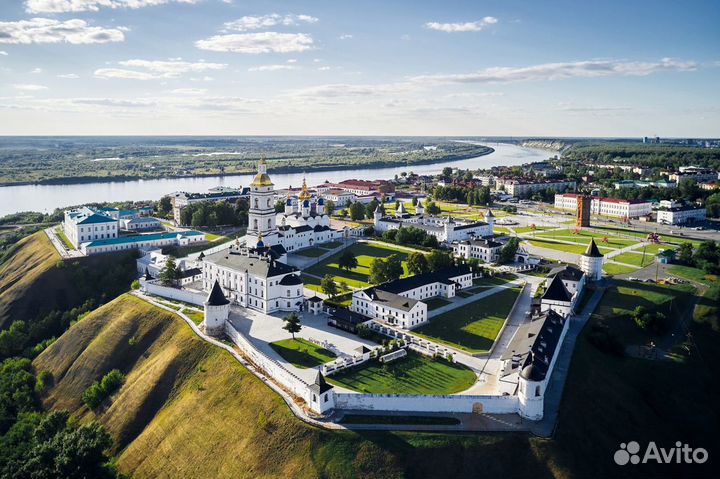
x=46 y=198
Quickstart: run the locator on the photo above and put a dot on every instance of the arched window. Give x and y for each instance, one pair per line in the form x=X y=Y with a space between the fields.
x=268 y=202
x=256 y=202
x=269 y=223
x=537 y=391
x=255 y=223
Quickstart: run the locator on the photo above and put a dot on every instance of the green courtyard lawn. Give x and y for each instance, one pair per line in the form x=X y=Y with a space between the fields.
x=528 y=229
x=625 y=296
x=473 y=327
x=330 y=245
x=584 y=237
x=312 y=252
x=693 y=274
x=655 y=248
x=614 y=269
x=637 y=259
x=568 y=248
x=501 y=230
x=301 y=353
x=435 y=303
x=413 y=374
x=365 y=254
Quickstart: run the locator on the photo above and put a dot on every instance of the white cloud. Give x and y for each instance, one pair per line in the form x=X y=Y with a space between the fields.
x=271 y=68
x=36 y=70
x=71 y=76
x=60 y=6
x=189 y=91
x=338 y=90
x=557 y=71
x=255 y=43
x=29 y=87
x=3 y=53
x=345 y=36
x=246 y=23
x=46 y=30
x=462 y=26
x=292 y=60
x=155 y=69
x=324 y=69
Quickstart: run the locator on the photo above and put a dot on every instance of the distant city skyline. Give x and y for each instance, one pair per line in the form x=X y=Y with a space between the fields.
x=456 y=68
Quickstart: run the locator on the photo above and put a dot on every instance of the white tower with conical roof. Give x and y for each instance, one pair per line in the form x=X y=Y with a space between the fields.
x=591 y=262
x=217 y=311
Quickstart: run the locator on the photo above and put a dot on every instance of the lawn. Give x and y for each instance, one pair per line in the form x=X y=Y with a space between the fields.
x=301 y=353
x=637 y=259
x=435 y=303
x=214 y=237
x=413 y=374
x=655 y=248
x=584 y=237
x=625 y=296
x=330 y=245
x=61 y=234
x=365 y=254
x=528 y=229
x=568 y=248
x=473 y=327
x=196 y=316
x=311 y=252
x=692 y=274
x=614 y=269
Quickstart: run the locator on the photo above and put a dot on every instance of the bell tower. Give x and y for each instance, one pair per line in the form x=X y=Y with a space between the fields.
x=261 y=215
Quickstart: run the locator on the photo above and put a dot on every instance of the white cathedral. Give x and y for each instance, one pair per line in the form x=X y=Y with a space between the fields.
x=302 y=224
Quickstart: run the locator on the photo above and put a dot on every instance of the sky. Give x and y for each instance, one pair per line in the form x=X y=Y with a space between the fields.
x=351 y=67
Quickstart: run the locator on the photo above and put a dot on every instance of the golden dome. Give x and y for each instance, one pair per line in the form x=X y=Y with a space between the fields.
x=261 y=179
x=304 y=195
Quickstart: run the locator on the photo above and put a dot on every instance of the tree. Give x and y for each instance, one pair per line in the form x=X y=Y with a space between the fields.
x=414 y=201
x=394 y=267
x=417 y=263
x=170 y=273
x=292 y=324
x=438 y=260
x=165 y=205
x=507 y=252
x=432 y=209
x=370 y=208
x=329 y=207
x=347 y=260
x=390 y=235
x=279 y=206
x=328 y=285
x=685 y=254
x=378 y=271
x=447 y=173
x=357 y=211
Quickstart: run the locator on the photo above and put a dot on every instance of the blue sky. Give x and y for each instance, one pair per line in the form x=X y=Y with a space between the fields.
x=551 y=68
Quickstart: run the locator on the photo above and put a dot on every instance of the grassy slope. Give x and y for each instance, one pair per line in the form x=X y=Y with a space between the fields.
x=188 y=409
x=33 y=280
x=30 y=265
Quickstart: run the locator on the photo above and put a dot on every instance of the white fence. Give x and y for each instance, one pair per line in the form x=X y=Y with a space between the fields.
x=269 y=366
x=422 y=346
x=173 y=293
x=416 y=403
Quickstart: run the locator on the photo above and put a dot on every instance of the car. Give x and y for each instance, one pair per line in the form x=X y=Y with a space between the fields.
x=699 y=228
x=633 y=278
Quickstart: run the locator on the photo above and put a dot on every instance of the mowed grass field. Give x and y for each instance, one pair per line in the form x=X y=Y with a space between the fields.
x=613 y=269
x=302 y=353
x=413 y=374
x=473 y=327
x=637 y=259
x=568 y=248
x=584 y=237
x=365 y=254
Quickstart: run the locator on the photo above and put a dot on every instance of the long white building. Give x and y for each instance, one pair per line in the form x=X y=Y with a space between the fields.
x=444 y=228
x=606 y=206
x=83 y=225
x=680 y=215
x=401 y=302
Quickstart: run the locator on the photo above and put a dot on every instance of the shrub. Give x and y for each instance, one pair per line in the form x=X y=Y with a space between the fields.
x=135 y=284
x=100 y=390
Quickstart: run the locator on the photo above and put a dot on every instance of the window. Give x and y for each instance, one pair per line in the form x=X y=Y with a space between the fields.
x=256 y=203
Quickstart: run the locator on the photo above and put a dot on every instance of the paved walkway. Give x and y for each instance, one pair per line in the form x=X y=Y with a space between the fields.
x=553 y=394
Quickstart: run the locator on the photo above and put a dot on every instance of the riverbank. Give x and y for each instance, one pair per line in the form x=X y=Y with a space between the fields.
x=371 y=165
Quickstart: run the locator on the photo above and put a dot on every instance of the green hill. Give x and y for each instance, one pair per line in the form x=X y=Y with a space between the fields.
x=34 y=282
x=188 y=409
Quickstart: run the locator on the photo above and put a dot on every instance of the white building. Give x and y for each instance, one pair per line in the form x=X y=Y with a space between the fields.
x=140 y=224
x=693 y=173
x=83 y=225
x=486 y=250
x=591 y=262
x=606 y=206
x=565 y=286
x=401 y=302
x=253 y=280
x=146 y=242
x=444 y=228
x=678 y=215
x=302 y=224
x=520 y=188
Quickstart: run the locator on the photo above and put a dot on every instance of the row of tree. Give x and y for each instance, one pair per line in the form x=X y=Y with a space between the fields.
x=215 y=213
x=706 y=256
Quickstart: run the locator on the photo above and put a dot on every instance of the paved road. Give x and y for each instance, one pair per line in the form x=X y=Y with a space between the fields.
x=59 y=244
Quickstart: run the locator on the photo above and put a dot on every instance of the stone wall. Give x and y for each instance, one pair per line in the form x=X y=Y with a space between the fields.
x=416 y=403
x=186 y=296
